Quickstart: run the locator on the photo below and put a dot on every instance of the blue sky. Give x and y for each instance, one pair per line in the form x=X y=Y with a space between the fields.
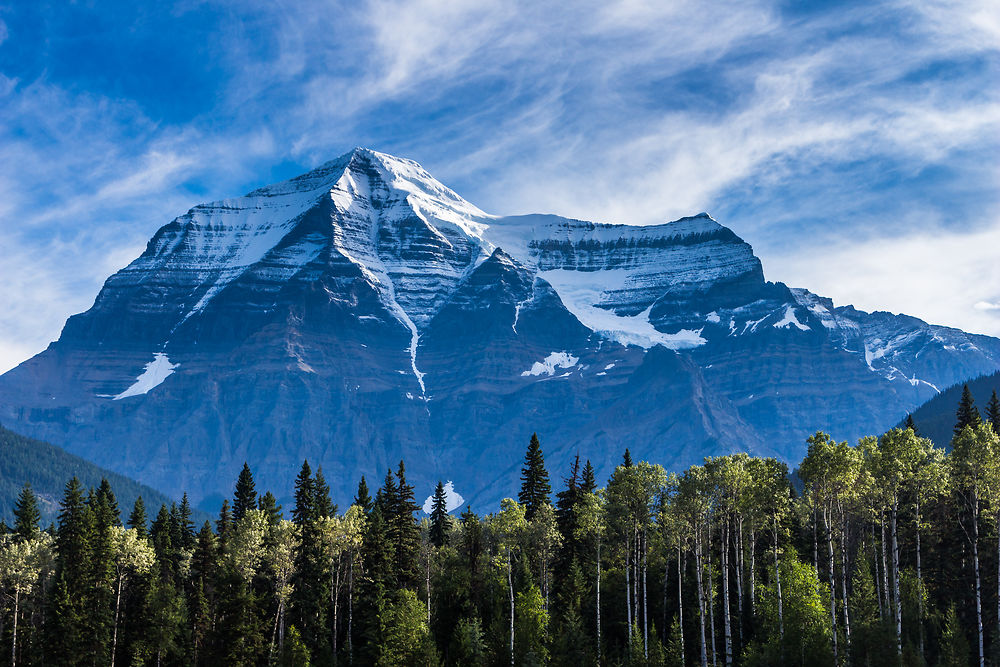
x=853 y=144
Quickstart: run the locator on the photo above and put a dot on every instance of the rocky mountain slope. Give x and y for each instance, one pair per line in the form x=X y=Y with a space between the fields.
x=363 y=312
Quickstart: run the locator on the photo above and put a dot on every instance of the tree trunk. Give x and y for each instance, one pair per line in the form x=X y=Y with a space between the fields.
x=701 y=598
x=510 y=588
x=895 y=583
x=114 y=634
x=833 y=582
x=628 y=588
x=429 y=592
x=777 y=583
x=739 y=579
x=753 y=569
x=680 y=599
x=726 y=620
x=878 y=575
x=711 y=600
x=885 y=569
x=645 y=608
x=598 y=601
x=13 y=643
x=975 y=560
x=844 y=547
x=334 y=599
x=920 y=580
x=350 y=612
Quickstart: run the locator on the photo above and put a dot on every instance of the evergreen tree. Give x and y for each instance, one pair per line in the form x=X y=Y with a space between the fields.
x=104 y=516
x=588 y=483
x=224 y=524
x=363 y=498
x=245 y=498
x=627 y=460
x=967 y=414
x=439 y=516
x=311 y=579
x=26 y=514
x=186 y=525
x=909 y=423
x=67 y=627
x=268 y=504
x=993 y=411
x=535 y=487
x=137 y=519
x=404 y=532
x=324 y=506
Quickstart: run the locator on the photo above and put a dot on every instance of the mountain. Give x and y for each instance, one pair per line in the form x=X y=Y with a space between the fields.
x=363 y=313
x=936 y=418
x=47 y=468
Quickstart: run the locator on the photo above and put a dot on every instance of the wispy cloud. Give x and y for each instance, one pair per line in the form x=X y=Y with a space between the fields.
x=849 y=144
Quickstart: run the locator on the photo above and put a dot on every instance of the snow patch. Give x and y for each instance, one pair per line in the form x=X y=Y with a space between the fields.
x=581 y=290
x=789 y=319
x=452 y=500
x=156 y=371
x=713 y=317
x=549 y=365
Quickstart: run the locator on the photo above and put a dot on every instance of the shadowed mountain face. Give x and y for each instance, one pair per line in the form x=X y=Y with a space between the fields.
x=363 y=313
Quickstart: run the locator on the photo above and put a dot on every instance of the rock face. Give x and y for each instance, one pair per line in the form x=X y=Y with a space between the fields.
x=363 y=313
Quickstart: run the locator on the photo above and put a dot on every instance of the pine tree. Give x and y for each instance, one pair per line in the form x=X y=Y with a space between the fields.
x=224 y=524
x=324 y=506
x=363 y=498
x=404 y=532
x=909 y=424
x=26 y=514
x=993 y=412
x=627 y=460
x=268 y=504
x=967 y=414
x=185 y=523
x=245 y=498
x=161 y=535
x=104 y=516
x=535 y=487
x=439 y=516
x=67 y=627
x=311 y=579
x=137 y=519
x=589 y=481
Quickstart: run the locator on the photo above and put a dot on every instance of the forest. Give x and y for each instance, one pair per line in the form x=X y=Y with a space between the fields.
x=881 y=552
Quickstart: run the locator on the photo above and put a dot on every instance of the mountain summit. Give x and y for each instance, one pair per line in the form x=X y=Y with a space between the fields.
x=363 y=312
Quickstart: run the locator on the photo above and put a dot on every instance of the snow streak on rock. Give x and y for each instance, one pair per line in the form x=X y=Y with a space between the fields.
x=156 y=371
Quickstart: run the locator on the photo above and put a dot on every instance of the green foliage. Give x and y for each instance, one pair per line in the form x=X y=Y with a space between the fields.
x=967 y=414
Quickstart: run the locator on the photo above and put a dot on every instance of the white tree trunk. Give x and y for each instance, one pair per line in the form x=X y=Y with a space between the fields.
x=895 y=584
x=833 y=583
x=598 y=601
x=13 y=643
x=701 y=598
x=645 y=608
x=510 y=588
x=726 y=620
x=777 y=583
x=979 y=593
x=680 y=599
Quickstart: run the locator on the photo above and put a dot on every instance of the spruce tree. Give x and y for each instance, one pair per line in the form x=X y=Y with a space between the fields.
x=67 y=626
x=910 y=424
x=137 y=519
x=224 y=524
x=535 y=487
x=439 y=516
x=185 y=523
x=245 y=498
x=588 y=482
x=627 y=459
x=324 y=506
x=363 y=498
x=993 y=412
x=104 y=516
x=311 y=578
x=26 y=514
x=404 y=531
x=967 y=414
x=268 y=504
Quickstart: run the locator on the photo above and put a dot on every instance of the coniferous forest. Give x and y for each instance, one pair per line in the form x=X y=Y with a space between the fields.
x=883 y=552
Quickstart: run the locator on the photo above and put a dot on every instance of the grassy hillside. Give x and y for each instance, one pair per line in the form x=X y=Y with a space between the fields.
x=935 y=419
x=48 y=468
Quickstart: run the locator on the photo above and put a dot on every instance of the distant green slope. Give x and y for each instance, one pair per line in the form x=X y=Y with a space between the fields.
x=935 y=419
x=48 y=468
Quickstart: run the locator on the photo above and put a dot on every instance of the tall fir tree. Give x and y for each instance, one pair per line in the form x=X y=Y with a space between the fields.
x=224 y=524
x=104 y=517
x=26 y=514
x=137 y=519
x=268 y=504
x=245 y=498
x=324 y=506
x=910 y=424
x=363 y=498
x=311 y=578
x=627 y=459
x=535 y=487
x=967 y=414
x=67 y=626
x=588 y=480
x=185 y=523
x=404 y=532
x=439 y=516
x=993 y=411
